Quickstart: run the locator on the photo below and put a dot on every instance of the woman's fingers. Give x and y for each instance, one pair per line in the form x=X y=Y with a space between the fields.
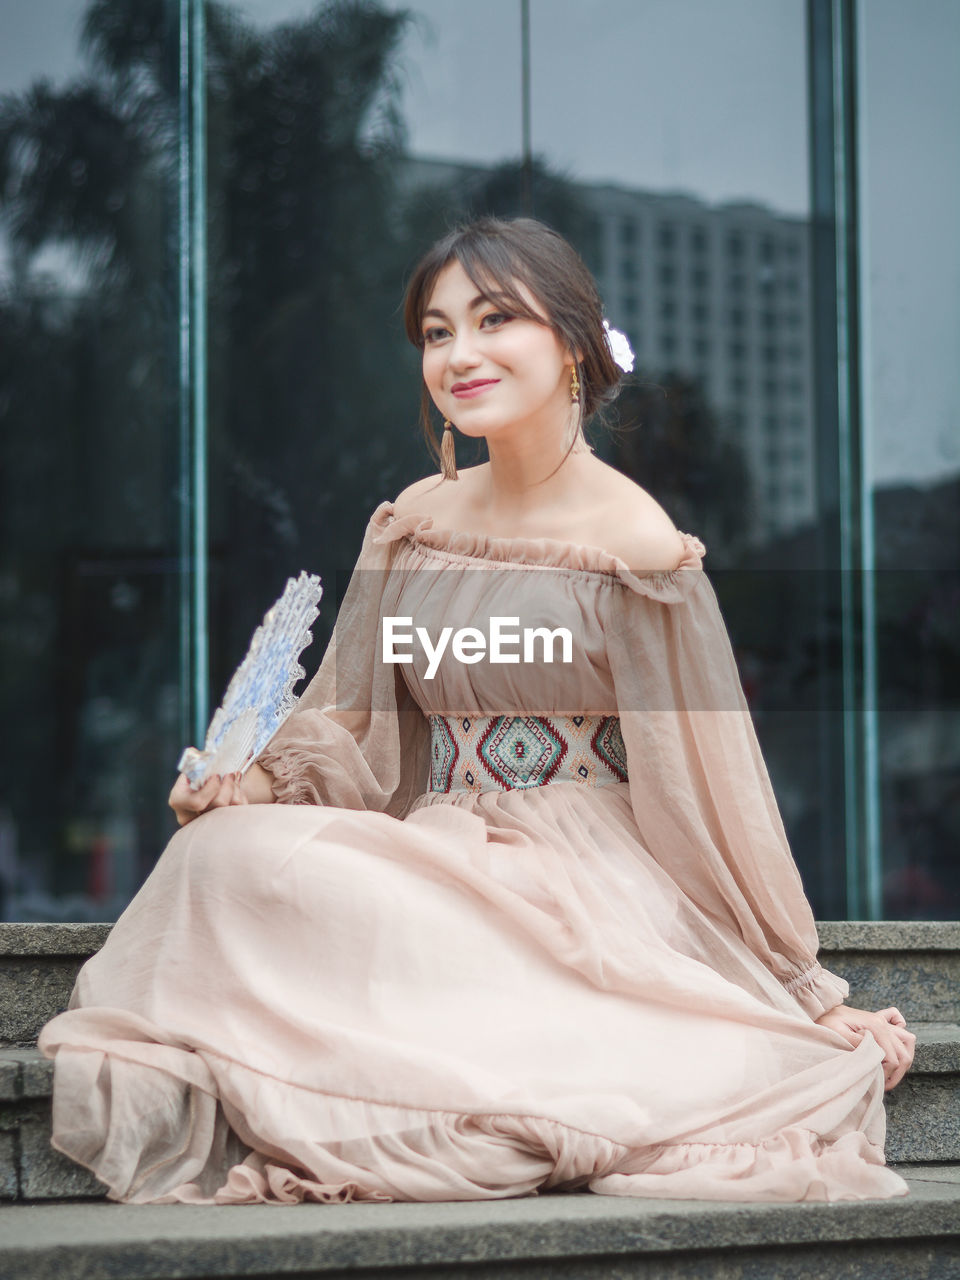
x=187 y=803
x=218 y=790
x=888 y=1028
x=844 y=1026
x=224 y=792
x=892 y=1075
x=903 y=1034
x=181 y=792
x=893 y=1072
x=897 y=1044
x=906 y=1042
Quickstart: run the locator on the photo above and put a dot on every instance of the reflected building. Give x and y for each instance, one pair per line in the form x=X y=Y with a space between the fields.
x=719 y=294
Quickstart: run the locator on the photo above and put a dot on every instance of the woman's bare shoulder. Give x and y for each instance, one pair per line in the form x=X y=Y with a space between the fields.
x=443 y=500
x=615 y=514
x=416 y=499
x=637 y=528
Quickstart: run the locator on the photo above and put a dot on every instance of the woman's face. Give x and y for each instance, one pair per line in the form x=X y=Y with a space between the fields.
x=487 y=370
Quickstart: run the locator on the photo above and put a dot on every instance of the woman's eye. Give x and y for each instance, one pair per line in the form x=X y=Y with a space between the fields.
x=494 y=319
x=434 y=334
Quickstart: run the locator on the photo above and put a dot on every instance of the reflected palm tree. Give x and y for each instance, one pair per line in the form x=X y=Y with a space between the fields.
x=434 y=207
x=306 y=256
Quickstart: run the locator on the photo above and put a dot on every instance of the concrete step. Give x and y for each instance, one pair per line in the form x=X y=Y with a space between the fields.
x=30 y=1169
x=914 y=965
x=575 y=1235
x=38 y=966
x=923 y=1118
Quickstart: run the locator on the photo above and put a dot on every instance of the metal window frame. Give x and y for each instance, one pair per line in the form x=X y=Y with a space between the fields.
x=849 y=764
x=192 y=360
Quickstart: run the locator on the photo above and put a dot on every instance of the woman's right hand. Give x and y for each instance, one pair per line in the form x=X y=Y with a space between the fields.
x=215 y=793
x=888 y=1028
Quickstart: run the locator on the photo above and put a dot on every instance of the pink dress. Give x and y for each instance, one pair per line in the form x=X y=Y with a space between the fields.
x=404 y=983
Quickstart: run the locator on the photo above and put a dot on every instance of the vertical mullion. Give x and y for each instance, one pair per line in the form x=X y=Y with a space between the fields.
x=185 y=478
x=526 y=163
x=856 y=524
x=192 y=412
x=871 y=797
x=198 y=348
x=833 y=845
x=847 y=460
x=845 y=530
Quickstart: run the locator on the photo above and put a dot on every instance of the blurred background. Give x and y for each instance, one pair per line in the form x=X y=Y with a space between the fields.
x=207 y=215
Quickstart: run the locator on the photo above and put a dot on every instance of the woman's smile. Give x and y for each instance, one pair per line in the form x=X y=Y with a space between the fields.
x=469 y=390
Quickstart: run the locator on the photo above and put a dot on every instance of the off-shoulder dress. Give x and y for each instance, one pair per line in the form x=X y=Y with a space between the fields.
x=515 y=926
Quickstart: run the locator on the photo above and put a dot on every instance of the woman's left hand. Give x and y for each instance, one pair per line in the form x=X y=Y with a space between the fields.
x=887 y=1026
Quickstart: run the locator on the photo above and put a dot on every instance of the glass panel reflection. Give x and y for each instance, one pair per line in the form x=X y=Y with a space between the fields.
x=910 y=201
x=690 y=208
x=670 y=143
x=88 y=375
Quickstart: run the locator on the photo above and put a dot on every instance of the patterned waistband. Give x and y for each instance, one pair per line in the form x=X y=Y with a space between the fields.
x=504 y=753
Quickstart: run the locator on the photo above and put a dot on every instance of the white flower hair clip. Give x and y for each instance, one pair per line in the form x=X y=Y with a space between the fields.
x=620 y=347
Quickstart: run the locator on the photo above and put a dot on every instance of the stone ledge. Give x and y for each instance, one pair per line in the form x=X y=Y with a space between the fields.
x=923 y=984
x=889 y=935
x=26 y=1073
x=31 y=939
x=11 y=1072
x=937 y=1049
x=49 y=1241
x=32 y=990
x=52 y=939
x=923 y=1118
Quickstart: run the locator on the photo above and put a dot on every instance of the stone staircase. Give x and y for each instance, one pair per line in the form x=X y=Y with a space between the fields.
x=58 y=1224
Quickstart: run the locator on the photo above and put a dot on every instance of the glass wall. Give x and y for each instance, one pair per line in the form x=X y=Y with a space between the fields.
x=90 y=575
x=209 y=212
x=910 y=303
x=692 y=210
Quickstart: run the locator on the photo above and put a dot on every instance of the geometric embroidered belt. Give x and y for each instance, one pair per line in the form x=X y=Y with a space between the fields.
x=506 y=753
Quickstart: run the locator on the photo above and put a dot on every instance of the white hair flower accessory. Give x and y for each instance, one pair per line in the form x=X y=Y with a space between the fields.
x=620 y=347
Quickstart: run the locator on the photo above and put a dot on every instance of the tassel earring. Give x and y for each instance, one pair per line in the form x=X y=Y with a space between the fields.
x=448 y=461
x=574 y=385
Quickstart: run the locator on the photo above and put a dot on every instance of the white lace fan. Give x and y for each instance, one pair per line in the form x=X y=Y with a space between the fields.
x=260 y=695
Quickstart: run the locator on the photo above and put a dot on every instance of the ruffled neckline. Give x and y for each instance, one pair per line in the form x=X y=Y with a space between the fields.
x=662 y=584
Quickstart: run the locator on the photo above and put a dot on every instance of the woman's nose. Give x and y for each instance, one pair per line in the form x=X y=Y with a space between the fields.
x=462 y=352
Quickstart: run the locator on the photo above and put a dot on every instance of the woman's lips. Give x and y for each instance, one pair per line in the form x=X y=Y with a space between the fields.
x=467 y=390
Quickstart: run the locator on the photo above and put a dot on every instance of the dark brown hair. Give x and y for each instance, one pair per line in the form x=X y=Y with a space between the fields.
x=496 y=255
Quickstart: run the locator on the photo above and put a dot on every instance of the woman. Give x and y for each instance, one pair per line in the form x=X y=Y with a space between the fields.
x=517 y=922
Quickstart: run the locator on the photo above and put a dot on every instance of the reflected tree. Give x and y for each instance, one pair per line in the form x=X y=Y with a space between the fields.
x=84 y=402
x=433 y=208
x=312 y=391
x=670 y=441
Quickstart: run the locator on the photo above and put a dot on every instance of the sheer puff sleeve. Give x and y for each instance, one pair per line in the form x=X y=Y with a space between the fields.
x=699 y=788
x=357 y=739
